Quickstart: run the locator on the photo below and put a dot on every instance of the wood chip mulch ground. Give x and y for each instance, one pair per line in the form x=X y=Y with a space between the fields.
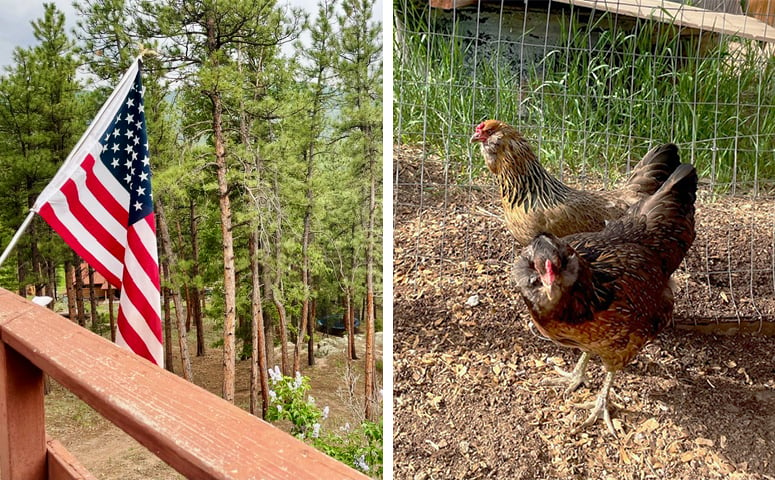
x=468 y=398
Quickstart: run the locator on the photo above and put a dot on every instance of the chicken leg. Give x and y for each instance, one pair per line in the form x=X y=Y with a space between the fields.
x=600 y=406
x=572 y=379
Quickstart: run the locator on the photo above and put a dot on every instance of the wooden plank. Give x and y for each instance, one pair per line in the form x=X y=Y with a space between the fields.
x=450 y=4
x=62 y=465
x=195 y=432
x=22 y=420
x=684 y=15
x=662 y=11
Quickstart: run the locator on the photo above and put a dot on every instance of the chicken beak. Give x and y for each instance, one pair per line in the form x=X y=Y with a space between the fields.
x=548 y=278
x=475 y=138
x=548 y=289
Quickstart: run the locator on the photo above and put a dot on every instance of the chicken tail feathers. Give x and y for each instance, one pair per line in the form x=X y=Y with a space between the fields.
x=670 y=214
x=653 y=170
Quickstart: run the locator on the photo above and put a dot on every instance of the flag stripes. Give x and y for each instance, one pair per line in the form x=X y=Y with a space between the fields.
x=100 y=202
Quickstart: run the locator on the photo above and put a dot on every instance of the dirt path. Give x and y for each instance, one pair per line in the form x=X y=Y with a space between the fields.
x=469 y=402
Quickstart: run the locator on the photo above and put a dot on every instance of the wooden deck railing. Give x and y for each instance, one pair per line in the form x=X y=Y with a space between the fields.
x=195 y=432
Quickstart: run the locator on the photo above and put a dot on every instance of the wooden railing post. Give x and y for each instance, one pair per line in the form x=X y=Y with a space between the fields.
x=22 y=421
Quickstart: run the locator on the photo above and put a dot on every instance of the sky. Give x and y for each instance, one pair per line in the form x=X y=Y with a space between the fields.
x=16 y=28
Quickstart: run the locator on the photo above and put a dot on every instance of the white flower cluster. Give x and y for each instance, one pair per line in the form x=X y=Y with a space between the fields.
x=275 y=375
x=360 y=462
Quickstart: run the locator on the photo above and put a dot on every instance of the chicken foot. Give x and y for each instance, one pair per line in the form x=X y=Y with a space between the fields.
x=600 y=407
x=572 y=379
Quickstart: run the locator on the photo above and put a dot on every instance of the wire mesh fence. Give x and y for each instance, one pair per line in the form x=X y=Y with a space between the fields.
x=592 y=88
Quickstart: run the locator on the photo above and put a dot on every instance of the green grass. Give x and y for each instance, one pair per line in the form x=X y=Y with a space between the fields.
x=598 y=100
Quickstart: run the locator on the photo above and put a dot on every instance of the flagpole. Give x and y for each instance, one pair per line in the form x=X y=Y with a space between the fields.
x=16 y=237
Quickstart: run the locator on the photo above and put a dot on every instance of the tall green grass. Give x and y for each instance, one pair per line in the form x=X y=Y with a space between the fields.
x=442 y=89
x=599 y=99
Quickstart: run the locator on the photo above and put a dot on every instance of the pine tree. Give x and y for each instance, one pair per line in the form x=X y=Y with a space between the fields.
x=40 y=122
x=208 y=35
x=360 y=72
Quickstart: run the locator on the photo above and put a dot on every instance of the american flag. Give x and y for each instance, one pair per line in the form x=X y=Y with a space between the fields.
x=100 y=202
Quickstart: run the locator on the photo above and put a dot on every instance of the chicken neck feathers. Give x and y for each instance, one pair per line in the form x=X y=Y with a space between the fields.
x=535 y=201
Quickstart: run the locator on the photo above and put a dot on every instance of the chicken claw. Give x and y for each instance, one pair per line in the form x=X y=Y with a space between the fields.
x=600 y=407
x=573 y=379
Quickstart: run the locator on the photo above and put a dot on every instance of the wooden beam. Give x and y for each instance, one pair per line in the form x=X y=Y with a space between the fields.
x=195 y=432
x=22 y=420
x=62 y=465
x=450 y=4
x=684 y=15
x=663 y=11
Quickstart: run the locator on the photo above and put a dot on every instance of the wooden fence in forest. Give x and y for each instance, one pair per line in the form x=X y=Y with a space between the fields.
x=197 y=433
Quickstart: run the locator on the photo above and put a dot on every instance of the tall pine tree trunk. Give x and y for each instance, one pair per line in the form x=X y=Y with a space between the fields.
x=311 y=333
x=370 y=367
x=229 y=280
x=197 y=295
x=111 y=312
x=351 y=353
x=186 y=286
x=70 y=288
x=51 y=287
x=169 y=266
x=258 y=370
x=214 y=50
x=79 y=293
x=283 y=327
x=305 y=273
x=269 y=327
x=167 y=326
x=277 y=291
x=92 y=301
x=350 y=324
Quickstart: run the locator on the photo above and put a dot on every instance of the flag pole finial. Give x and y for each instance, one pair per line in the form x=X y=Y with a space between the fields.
x=146 y=51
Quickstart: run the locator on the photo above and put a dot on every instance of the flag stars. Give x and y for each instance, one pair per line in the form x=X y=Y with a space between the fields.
x=124 y=150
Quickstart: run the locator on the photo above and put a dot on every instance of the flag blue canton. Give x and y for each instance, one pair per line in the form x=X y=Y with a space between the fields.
x=125 y=152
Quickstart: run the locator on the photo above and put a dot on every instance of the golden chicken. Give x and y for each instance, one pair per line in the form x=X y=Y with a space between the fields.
x=534 y=201
x=608 y=293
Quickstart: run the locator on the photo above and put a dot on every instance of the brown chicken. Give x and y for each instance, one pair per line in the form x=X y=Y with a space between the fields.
x=534 y=201
x=608 y=293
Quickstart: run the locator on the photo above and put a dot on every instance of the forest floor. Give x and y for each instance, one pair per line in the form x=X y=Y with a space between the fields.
x=468 y=398
x=110 y=454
